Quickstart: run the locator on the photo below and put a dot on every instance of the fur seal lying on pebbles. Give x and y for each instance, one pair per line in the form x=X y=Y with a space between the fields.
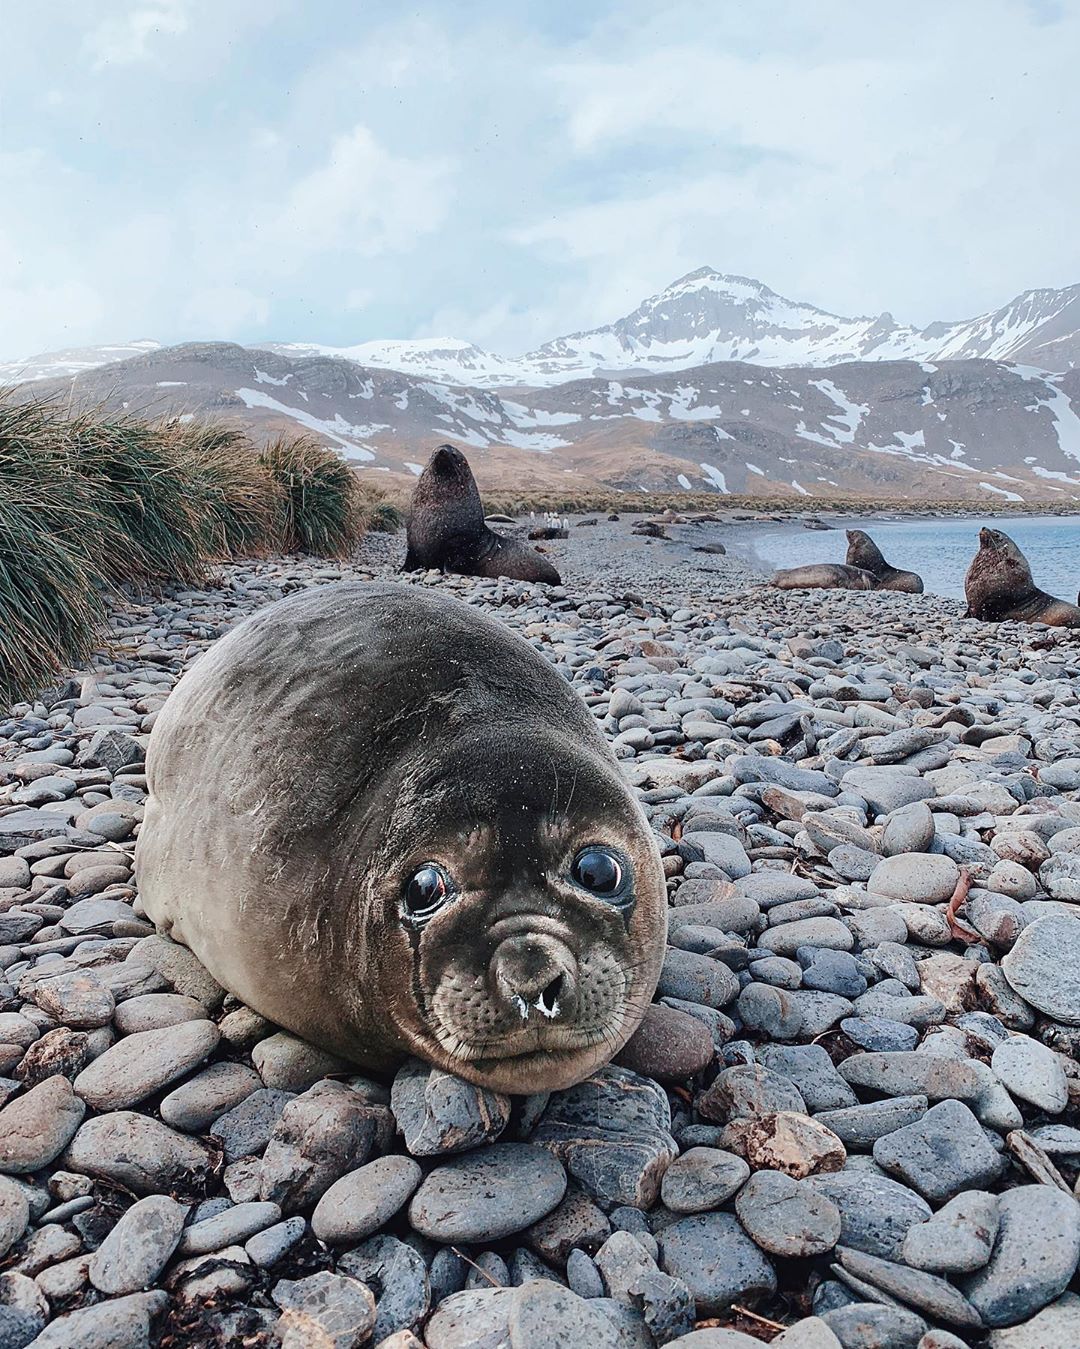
x=447 y=530
x=863 y=552
x=823 y=576
x=382 y=820
x=999 y=587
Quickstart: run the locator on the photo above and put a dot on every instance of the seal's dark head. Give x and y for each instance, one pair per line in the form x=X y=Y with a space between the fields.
x=863 y=552
x=524 y=910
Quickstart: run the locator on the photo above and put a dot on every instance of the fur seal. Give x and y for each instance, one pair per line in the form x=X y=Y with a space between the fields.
x=446 y=527
x=999 y=587
x=823 y=576
x=385 y=822
x=863 y=552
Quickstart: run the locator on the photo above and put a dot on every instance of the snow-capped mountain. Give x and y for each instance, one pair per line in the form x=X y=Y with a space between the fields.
x=702 y=318
x=708 y=316
x=71 y=361
x=982 y=430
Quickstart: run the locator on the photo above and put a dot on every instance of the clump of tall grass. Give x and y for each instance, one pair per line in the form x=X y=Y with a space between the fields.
x=50 y=543
x=239 y=504
x=92 y=499
x=322 y=508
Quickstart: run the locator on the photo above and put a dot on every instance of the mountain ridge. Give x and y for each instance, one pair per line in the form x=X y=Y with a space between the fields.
x=967 y=429
x=703 y=317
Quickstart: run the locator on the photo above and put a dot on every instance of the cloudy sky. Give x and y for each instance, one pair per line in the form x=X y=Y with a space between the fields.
x=505 y=171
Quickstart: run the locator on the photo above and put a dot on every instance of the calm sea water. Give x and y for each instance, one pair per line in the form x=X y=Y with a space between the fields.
x=939 y=550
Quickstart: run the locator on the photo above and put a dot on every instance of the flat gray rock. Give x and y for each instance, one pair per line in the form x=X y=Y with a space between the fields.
x=1034 y=1257
x=875 y=1212
x=958 y=1239
x=1043 y=967
x=486 y=1195
x=941 y=1154
x=716 y=1260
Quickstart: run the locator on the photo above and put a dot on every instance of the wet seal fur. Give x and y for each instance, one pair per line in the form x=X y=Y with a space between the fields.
x=446 y=528
x=335 y=742
x=823 y=576
x=863 y=552
x=999 y=587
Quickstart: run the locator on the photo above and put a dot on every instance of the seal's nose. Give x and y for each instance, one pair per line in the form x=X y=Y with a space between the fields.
x=536 y=974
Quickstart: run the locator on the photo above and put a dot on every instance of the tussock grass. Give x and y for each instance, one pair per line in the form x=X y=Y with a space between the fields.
x=91 y=499
x=322 y=506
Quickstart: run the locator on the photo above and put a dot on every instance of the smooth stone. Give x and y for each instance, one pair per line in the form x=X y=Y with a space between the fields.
x=717 y=1261
x=1034 y=1257
x=915 y=878
x=668 y=1046
x=1032 y=1073
x=1054 y=1327
x=119 y=1323
x=14 y=1213
x=487 y=1195
x=786 y=1218
x=398 y=1271
x=702 y=1179
x=364 y=1200
x=37 y=1126
x=868 y=1325
x=272 y=1244
x=154 y=1011
x=439 y=1113
x=141 y=1064
x=137 y=1153
x=862 y=1125
x=747 y=1090
x=909 y=1073
x=697 y=978
x=287 y=1064
x=543 y=1315
x=928 y=1294
x=958 y=1239
x=139 y=1246
x=1043 y=967
x=880 y=1034
x=786 y=939
x=875 y=1212
x=942 y=1153
x=231 y=1227
x=197 y=1103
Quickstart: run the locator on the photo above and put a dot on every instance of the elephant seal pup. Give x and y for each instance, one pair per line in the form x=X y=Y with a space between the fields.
x=864 y=553
x=384 y=821
x=823 y=576
x=999 y=587
x=446 y=527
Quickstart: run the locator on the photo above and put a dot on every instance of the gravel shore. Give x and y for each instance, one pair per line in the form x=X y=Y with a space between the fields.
x=849 y=1120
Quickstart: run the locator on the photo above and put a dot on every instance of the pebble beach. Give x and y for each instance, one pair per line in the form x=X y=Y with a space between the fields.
x=850 y=1120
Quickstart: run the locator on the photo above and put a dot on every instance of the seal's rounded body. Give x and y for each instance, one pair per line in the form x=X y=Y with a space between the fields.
x=863 y=552
x=347 y=755
x=446 y=527
x=999 y=587
x=823 y=576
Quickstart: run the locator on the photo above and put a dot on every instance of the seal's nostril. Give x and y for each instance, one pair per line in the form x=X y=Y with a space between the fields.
x=548 y=1002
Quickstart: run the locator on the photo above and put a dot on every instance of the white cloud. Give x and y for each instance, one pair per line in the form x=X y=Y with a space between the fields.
x=129 y=37
x=363 y=199
x=227 y=311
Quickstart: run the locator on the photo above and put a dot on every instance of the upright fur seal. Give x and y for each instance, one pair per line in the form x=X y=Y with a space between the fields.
x=823 y=576
x=385 y=822
x=863 y=552
x=999 y=587
x=446 y=527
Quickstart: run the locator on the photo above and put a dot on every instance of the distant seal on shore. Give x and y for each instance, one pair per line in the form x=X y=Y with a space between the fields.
x=863 y=552
x=385 y=822
x=823 y=576
x=446 y=527
x=999 y=587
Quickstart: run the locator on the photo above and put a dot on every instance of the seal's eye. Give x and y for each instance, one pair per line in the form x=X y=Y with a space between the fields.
x=426 y=891
x=599 y=872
